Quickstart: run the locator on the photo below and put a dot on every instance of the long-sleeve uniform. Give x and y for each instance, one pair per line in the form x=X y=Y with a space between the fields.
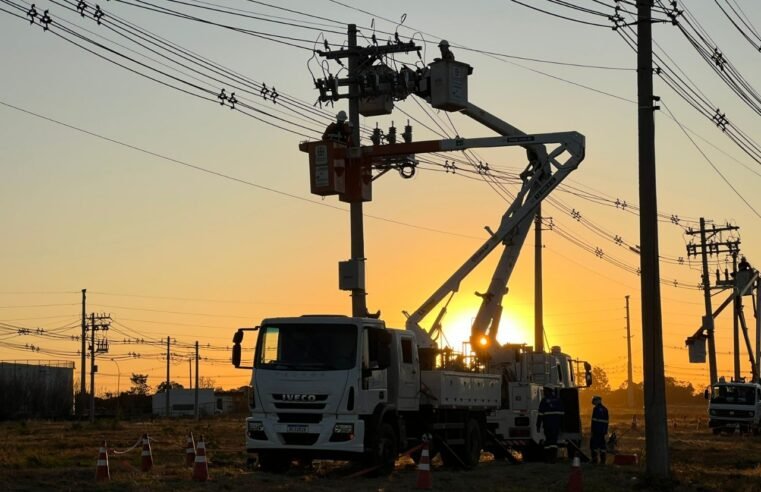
x=599 y=430
x=550 y=417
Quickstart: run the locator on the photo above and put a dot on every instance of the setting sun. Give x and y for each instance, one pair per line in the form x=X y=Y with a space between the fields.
x=514 y=327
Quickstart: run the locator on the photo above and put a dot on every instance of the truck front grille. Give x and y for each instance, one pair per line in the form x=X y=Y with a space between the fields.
x=299 y=438
x=299 y=418
x=300 y=406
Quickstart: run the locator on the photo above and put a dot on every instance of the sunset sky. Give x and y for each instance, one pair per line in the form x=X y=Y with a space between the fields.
x=183 y=218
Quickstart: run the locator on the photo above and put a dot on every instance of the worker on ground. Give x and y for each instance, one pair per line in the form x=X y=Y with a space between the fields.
x=340 y=130
x=600 y=419
x=551 y=418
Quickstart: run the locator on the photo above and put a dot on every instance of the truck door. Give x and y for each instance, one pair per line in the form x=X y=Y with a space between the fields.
x=409 y=374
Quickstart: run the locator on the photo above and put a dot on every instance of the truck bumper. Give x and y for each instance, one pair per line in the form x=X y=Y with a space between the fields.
x=334 y=437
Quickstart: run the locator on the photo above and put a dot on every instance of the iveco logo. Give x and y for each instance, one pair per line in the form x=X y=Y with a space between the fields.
x=297 y=397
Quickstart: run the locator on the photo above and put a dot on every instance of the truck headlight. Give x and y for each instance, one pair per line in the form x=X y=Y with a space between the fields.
x=343 y=429
x=255 y=427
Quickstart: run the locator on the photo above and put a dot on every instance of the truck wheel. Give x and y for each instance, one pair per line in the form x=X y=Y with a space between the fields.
x=274 y=462
x=385 y=451
x=471 y=452
x=533 y=452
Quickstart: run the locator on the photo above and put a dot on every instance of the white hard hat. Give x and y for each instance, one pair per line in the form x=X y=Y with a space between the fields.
x=341 y=116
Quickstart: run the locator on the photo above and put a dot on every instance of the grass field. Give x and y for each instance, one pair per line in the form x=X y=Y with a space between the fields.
x=38 y=455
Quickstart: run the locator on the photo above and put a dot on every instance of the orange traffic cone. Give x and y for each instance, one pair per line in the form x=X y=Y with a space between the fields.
x=575 y=482
x=424 y=479
x=190 y=451
x=200 y=466
x=146 y=462
x=101 y=469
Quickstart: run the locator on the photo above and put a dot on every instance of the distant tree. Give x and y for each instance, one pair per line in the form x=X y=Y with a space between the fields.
x=173 y=385
x=206 y=382
x=600 y=383
x=139 y=384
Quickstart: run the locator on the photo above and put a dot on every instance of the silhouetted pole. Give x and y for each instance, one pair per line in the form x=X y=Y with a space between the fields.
x=656 y=428
x=538 y=306
x=198 y=410
x=92 y=367
x=737 y=305
x=168 y=358
x=708 y=322
x=630 y=380
x=83 y=380
x=358 y=295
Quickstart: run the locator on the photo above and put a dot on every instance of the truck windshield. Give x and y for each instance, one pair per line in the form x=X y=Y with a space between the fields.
x=738 y=395
x=307 y=347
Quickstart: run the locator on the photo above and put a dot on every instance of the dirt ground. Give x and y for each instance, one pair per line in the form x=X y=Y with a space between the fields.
x=37 y=455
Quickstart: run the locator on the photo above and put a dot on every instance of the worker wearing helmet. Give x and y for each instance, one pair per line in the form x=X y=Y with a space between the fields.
x=446 y=53
x=551 y=418
x=599 y=430
x=340 y=130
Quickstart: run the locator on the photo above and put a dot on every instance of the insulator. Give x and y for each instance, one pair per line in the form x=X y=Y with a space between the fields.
x=391 y=135
x=407 y=135
x=377 y=136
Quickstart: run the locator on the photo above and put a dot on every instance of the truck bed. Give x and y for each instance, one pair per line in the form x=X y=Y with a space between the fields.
x=460 y=390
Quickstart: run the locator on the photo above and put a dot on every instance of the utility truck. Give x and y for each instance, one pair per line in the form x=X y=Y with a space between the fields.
x=336 y=387
x=734 y=405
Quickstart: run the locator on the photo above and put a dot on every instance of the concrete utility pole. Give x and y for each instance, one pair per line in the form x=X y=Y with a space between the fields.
x=656 y=426
x=168 y=360
x=737 y=301
x=538 y=296
x=93 y=368
x=96 y=347
x=83 y=381
x=709 y=246
x=358 y=294
x=630 y=379
x=357 y=178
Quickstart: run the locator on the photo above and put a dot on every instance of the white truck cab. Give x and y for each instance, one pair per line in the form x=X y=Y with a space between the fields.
x=734 y=405
x=348 y=388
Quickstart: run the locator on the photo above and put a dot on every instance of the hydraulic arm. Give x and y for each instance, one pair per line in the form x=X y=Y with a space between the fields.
x=543 y=174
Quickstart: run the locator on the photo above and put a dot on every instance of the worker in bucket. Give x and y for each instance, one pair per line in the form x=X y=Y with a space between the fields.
x=597 y=442
x=550 y=417
x=340 y=130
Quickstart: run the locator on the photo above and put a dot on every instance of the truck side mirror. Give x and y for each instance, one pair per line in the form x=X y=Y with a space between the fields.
x=707 y=394
x=237 y=339
x=587 y=374
x=236 y=355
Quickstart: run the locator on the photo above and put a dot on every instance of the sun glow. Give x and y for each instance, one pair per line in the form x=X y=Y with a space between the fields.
x=514 y=327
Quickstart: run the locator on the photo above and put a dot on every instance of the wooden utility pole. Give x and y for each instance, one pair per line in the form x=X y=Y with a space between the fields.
x=538 y=299
x=656 y=427
x=83 y=380
x=630 y=379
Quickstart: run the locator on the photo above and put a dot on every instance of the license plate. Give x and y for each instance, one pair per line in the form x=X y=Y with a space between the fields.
x=298 y=428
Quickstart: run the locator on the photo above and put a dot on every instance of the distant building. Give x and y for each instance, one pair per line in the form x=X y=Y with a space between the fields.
x=36 y=389
x=182 y=402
